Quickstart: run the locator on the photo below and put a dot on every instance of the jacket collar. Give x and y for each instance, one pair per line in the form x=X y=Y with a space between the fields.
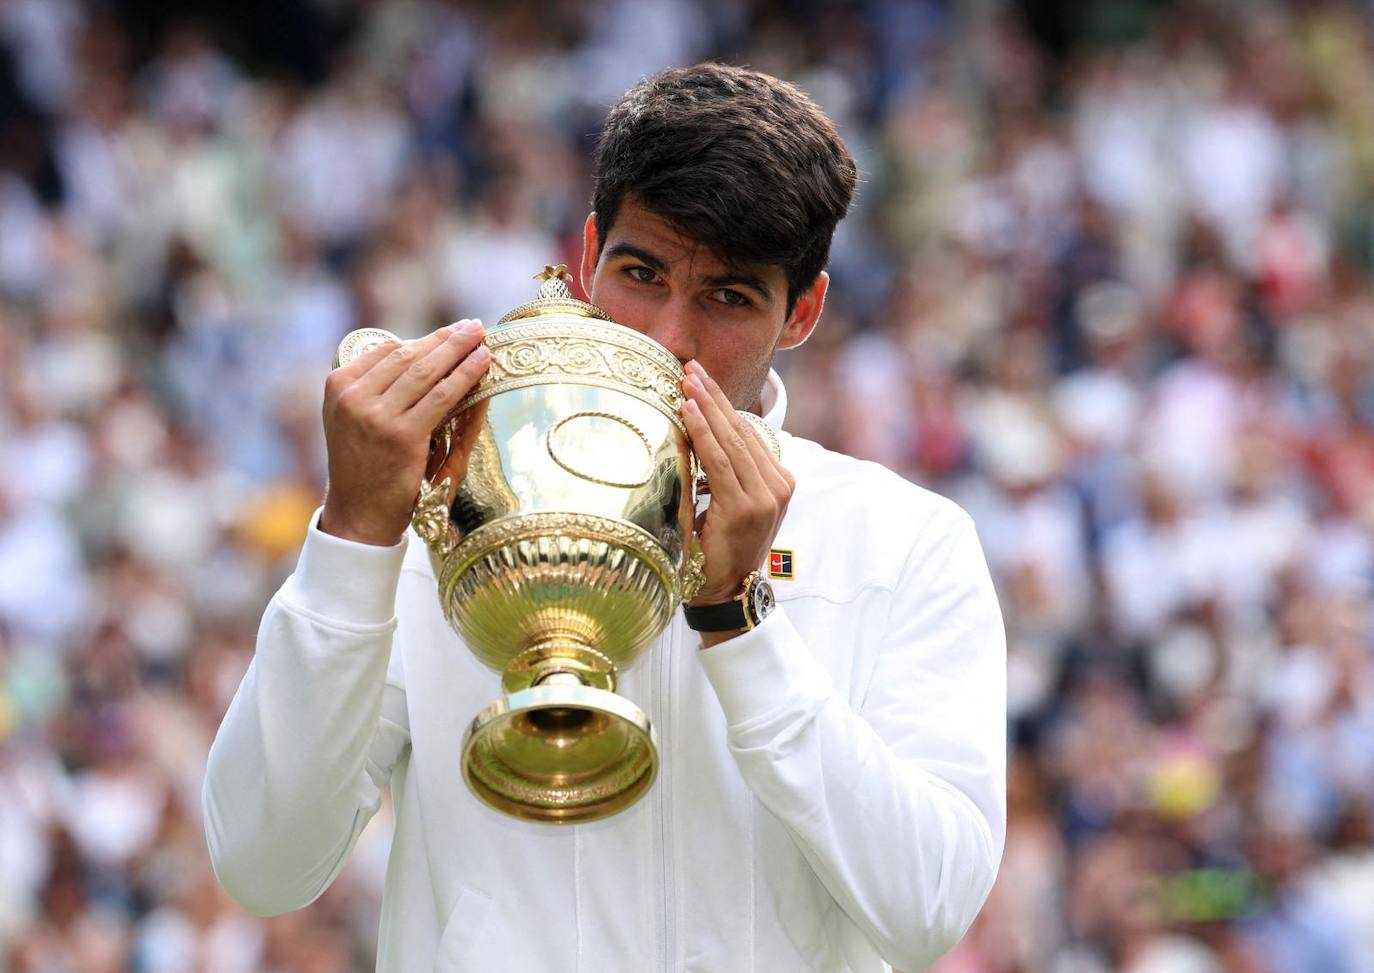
x=773 y=401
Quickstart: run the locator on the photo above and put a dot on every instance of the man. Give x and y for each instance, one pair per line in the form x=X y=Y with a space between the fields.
x=831 y=790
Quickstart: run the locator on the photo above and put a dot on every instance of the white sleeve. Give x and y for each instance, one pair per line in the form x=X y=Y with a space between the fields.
x=899 y=805
x=312 y=734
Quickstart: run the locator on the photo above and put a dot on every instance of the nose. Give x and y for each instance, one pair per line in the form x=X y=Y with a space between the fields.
x=672 y=325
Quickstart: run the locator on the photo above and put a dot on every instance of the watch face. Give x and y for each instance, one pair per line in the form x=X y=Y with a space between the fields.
x=761 y=601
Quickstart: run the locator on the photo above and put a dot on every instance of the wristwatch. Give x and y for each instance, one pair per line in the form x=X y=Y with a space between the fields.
x=752 y=605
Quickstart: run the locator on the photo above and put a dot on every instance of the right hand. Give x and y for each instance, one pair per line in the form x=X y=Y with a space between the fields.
x=379 y=412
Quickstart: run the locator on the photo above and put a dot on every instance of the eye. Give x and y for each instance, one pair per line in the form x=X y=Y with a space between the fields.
x=732 y=298
x=641 y=275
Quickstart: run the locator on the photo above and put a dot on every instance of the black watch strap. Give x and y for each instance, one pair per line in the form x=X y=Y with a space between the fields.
x=725 y=617
x=740 y=614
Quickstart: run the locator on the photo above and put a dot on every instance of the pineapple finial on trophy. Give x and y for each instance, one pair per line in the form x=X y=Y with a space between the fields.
x=556 y=280
x=555 y=297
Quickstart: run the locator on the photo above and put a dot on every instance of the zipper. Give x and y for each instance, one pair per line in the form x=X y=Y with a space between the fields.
x=663 y=684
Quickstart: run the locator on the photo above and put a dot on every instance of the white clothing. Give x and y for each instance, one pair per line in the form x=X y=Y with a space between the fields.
x=831 y=791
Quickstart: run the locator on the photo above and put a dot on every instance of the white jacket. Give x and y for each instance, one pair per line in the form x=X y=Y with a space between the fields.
x=831 y=792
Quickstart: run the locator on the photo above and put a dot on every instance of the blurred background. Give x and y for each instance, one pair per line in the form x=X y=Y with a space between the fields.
x=1107 y=284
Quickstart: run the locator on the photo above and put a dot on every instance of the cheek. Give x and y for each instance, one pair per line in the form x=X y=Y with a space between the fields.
x=738 y=367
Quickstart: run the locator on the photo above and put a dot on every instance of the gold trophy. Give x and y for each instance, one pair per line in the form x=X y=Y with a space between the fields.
x=557 y=505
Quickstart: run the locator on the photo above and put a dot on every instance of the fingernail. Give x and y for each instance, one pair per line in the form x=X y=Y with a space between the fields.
x=479 y=354
x=693 y=367
x=694 y=383
x=470 y=327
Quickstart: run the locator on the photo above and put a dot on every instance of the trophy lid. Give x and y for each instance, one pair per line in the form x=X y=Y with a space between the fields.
x=554 y=298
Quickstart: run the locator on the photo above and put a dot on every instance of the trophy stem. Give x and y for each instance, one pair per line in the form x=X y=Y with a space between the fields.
x=559 y=677
x=555 y=720
x=560 y=656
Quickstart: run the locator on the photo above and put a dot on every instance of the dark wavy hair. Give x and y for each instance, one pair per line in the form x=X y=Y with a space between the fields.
x=732 y=158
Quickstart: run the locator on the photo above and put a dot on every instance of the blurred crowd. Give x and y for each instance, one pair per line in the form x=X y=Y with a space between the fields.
x=1111 y=291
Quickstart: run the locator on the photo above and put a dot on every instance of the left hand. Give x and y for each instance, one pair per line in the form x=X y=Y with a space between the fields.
x=750 y=489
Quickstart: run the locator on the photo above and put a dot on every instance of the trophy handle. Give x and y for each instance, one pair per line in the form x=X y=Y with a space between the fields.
x=431 y=520
x=357 y=343
x=693 y=574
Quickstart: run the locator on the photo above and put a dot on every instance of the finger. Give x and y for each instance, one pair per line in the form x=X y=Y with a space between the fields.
x=424 y=373
x=439 y=401
x=726 y=427
x=769 y=466
x=716 y=465
x=380 y=376
x=726 y=449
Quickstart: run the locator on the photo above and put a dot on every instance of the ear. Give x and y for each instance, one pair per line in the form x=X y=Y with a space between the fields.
x=805 y=313
x=591 y=250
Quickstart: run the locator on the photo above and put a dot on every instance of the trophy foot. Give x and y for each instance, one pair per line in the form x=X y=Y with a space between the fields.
x=560 y=752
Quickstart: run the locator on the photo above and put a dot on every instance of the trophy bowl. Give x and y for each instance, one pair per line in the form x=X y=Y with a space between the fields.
x=557 y=506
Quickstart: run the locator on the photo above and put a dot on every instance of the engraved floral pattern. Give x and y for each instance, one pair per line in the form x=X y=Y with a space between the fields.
x=630 y=367
x=524 y=358
x=668 y=389
x=583 y=357
x=549 y=351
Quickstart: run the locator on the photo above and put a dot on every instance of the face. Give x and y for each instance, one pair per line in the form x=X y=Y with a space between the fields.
x=730 y=318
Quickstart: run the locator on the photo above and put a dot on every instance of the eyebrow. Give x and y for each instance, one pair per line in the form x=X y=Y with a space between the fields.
x=731 y=278
x=640 y=254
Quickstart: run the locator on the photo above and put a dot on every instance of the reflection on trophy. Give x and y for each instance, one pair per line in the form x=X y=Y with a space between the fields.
x=557 y=506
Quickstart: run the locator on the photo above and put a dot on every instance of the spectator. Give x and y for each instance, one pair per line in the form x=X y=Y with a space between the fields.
x=1113 y=297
